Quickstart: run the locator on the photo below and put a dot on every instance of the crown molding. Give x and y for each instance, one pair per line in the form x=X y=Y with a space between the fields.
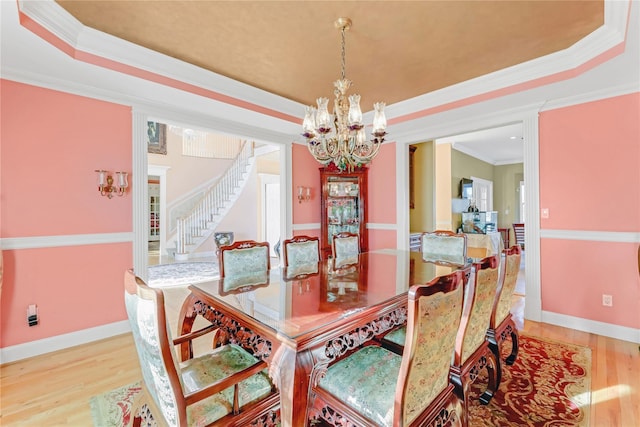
x=610 y=35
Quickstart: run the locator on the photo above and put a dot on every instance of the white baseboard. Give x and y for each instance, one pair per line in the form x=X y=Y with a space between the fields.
x=59 y=342
x=599 y=328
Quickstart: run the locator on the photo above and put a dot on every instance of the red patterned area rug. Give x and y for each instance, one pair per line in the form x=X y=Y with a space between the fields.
x=549 y=385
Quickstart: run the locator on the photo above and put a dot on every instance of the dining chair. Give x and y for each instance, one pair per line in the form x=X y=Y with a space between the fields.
x=375 y=387
x=301 y=250
x=472 y=352
x=504 y=233
x=444 y=246
x=345 y=245
x=243 y=257
x=501 y=324
x=518 y=232
x=226 y=386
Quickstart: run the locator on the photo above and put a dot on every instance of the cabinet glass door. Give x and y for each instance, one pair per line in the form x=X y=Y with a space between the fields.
x=343 y=206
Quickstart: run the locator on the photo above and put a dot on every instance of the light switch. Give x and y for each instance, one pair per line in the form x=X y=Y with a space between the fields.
x=544 y=213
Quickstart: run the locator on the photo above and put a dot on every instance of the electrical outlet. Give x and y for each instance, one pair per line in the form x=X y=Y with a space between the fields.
x=32 y=315
x=544 y=213
x=607 y=300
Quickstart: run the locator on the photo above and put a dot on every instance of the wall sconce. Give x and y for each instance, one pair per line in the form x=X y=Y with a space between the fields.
x=105 y=183
x=304 y=194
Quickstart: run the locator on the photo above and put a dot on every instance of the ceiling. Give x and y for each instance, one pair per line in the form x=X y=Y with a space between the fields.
x=394 y=50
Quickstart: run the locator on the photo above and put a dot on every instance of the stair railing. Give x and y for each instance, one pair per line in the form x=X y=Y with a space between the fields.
x=192 y=225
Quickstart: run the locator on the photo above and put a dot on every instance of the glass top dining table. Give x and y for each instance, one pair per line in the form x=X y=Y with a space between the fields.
x=299 y=319
x=299 y=300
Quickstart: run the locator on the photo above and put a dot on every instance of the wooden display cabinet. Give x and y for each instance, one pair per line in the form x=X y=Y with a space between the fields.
x=343 y=205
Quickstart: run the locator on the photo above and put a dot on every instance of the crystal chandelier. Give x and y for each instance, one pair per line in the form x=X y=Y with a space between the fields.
x=341 y=139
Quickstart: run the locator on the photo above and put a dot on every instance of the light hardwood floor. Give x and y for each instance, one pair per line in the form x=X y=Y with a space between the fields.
x=54 y=389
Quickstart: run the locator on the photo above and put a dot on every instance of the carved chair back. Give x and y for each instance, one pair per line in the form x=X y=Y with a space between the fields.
x=472 y=352
x=501 y=324
x=511 y=258
x=434 y=314
x=145 y=309
x=244 y=257
x=301 y=250
x=444 y=246
x=345 y=245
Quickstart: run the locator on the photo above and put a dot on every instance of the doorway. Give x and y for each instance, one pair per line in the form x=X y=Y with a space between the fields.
x=271 y=211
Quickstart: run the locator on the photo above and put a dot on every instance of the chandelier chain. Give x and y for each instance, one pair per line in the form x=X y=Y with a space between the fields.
x=344 y=55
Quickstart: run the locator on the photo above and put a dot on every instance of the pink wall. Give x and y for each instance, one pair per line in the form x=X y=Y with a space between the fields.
x=589 y=180
x=590 y=165
x=305 y=172
x=574 y=282
x=51 y=143
x=382 y=186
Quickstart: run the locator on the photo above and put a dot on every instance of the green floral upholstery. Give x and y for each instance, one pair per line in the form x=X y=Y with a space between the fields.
x=367 y=379
x=397 y=336
x=242 y=260
x=444 y=247
x=508 y=287
x=303 y=252
x=486 y=283
x=144 y=326
x=222 y=362
x=346 y=247
x=436 y=329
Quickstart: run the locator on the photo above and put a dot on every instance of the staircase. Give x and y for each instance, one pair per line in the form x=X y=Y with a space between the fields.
x=195 y=227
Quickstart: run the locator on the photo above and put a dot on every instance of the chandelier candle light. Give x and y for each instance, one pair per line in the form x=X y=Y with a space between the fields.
x=341 y=139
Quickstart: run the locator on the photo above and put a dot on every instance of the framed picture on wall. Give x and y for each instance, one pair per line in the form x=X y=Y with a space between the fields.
x=156 y=138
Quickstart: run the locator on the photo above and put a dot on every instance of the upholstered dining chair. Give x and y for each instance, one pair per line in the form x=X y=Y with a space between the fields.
x=376 y=387
x=501 y=324
x=444 y=246
x=518 y=232
x=472 y=352
x=227 y=386
x=301 y=250
x=244 y=256
x=345 y=245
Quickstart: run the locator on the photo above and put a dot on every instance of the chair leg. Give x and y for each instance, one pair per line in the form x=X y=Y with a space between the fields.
x=514 y=346
x=495 y=349
x=493 y=367
x=459 y=384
